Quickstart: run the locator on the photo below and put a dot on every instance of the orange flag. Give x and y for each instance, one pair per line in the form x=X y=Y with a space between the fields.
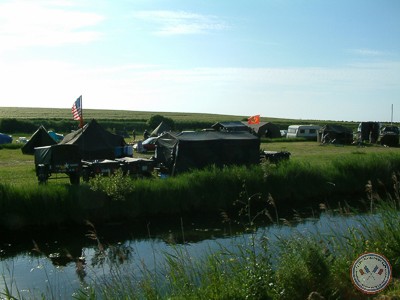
x=254 y=120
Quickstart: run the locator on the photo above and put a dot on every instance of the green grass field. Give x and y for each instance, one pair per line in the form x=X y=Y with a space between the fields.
x=18 y=169
x=99 y=114
x=61 y=113
x=316 y=153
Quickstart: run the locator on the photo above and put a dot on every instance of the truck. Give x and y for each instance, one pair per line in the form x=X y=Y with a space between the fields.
x=58 y=159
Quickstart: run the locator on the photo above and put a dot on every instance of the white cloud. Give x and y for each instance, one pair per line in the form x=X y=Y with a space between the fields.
x=25 y=23
x=367 y=52
x=181 y=22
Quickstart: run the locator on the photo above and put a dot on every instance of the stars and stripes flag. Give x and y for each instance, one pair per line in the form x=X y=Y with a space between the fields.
x=77 y=111
x=254 y=120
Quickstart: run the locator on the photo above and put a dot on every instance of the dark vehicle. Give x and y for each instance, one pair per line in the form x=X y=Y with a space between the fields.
x=389 y=136
x=57 y=159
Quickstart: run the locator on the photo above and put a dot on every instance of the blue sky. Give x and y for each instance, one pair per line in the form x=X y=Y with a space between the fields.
x=310 y=59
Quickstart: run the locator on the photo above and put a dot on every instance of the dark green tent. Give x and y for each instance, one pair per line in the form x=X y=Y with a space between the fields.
x=94 y=141
x=192 y=150
x=39 y=139
x=336 y=134
x=230 y=126
x=265 y=129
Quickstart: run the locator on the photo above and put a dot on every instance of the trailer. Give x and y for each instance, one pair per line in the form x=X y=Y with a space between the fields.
x=67 y=159
x=58 y=159
x=309 y=132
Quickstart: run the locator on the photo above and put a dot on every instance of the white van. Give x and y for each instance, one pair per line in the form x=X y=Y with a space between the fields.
x=303 y=131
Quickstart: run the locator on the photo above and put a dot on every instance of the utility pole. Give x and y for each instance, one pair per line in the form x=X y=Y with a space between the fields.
x=391 y=118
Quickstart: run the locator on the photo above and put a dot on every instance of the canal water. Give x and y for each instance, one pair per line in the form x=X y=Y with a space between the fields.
x=56 y=263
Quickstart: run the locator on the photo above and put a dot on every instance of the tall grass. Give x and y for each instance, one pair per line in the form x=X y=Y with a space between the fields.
x=293 y=185
x=301 y=266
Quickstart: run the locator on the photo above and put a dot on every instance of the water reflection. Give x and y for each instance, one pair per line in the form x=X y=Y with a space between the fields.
x=60 y=261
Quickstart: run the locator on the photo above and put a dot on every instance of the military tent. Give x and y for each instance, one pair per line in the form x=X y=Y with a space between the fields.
x=39 y=139
x=265 y=129
x=336 y=134
x=192 y=150
x=161 y=128
x=230 y=126
x=94 y=141
x=5 y=139
x=369 y=131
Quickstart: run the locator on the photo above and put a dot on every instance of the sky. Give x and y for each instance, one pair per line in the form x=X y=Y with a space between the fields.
x=309 y=59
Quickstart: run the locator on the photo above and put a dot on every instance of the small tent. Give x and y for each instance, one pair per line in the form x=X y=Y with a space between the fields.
x=5 y=139
x=94 y=141
x=336 y=134
x=160 y=129
x=265 y=129
x=230 y=126
x=193 y=150
x=56 y=136
x=39 y=139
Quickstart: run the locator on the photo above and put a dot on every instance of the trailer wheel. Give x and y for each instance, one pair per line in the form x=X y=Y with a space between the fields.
x=74 y=178
x=42 y=174
x=85 y=174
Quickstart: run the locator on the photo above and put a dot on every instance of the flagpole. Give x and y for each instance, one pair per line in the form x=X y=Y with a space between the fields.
x=81 y=124
x=81 y=121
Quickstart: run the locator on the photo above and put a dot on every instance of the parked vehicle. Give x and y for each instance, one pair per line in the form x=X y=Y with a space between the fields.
x=148 y=144
x=303 y=131
x=389 y=136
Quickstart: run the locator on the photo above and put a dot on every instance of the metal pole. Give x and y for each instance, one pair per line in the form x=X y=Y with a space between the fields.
x=391 y=118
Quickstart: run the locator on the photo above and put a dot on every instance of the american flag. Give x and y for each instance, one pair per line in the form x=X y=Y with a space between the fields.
x=77 y=109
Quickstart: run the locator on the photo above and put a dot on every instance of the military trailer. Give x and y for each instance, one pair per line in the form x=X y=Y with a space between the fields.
x=104 y=167
x=58 y=159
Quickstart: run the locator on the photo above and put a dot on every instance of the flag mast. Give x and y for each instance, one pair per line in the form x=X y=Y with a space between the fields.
x=81 y=119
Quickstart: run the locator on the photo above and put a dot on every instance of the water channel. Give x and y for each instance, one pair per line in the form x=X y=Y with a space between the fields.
x=59 y=262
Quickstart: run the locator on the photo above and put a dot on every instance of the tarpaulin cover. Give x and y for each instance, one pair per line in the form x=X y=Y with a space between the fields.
x=5 y=139
x=57 y=154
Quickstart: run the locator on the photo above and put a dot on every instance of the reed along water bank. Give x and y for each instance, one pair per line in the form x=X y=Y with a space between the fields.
x=280 y=189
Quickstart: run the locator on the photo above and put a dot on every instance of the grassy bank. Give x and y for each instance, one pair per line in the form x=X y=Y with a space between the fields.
x=293 y=185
